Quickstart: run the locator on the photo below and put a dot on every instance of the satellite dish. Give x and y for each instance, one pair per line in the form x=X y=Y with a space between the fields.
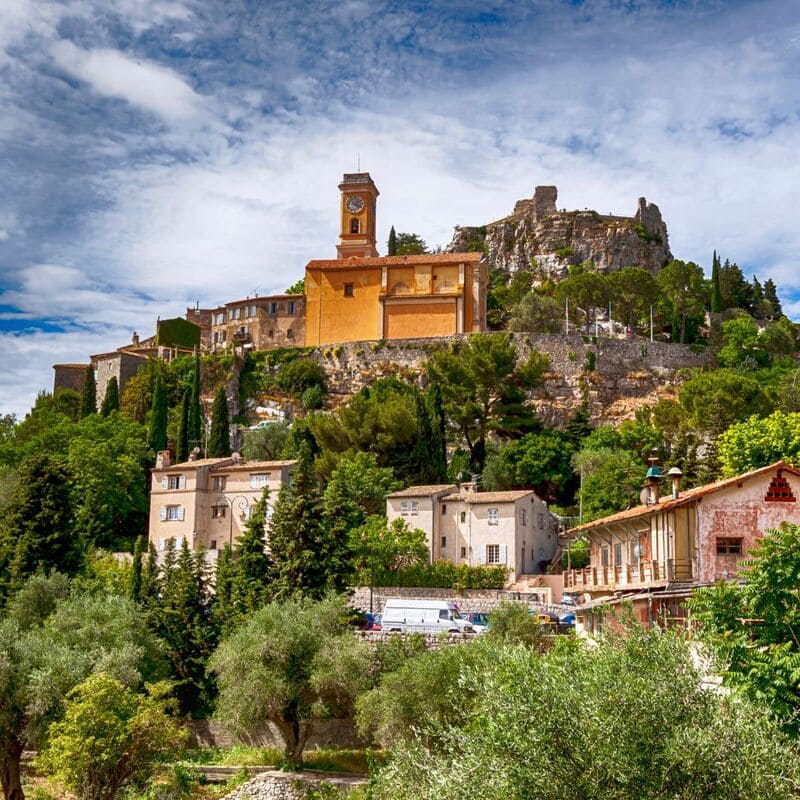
x=644 y=496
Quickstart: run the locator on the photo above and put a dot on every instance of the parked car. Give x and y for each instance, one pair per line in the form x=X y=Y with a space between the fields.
x=478 y=619
x=372 y=622
x=265 y=423
x=424 y=616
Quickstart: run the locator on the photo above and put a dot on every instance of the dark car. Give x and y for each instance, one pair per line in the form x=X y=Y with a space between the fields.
x=372 y=622
x=478 y=618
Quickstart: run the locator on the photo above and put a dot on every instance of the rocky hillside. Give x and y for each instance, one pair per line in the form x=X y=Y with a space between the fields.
x=536 y=229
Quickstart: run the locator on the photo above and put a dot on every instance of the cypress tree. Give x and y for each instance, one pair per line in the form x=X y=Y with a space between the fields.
x=302 y=548
x=88 y=393
x=195 y=428
x=252 y=565
x=150 y=587
x=157 y=435
x=716 y=290
x=136 y=572
x=111 y=400
x=771 y=296
x=182 y=445
x=420 y=464
x=391 y=245
x=219 y=441
x=438 y=447
x=223 y=610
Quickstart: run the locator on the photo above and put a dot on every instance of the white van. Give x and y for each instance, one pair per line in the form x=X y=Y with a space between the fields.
x=424 y=616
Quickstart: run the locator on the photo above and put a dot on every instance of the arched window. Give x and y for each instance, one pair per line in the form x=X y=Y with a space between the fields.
x=355 y=227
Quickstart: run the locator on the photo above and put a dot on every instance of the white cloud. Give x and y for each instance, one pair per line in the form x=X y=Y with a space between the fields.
x=143 y=84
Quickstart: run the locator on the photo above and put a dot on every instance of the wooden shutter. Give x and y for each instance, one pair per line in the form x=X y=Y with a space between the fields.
x=503 y=553
x=164 y=482
x=181 y=513
x=181 y=481
x=482 y=554
x=162 y=513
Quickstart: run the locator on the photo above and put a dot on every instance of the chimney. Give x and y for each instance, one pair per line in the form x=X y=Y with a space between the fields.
x=194 y=454
x=653 y=479
x=135 y=339
x=675 y=475
x=163 y=459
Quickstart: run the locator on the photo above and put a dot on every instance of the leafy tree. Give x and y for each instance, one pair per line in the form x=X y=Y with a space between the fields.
x=47 y=646
x=306 y=555
x=753 y=627
x=537 y=313
x=157 y=435
x=540 y=461
x=291 y=663
x=742 y=344
x=298 y=287
x=683 y=289
x=299 y=375
x=736 y=292
x=379 y=547
x=506 y=292
x=219 y=440
x=111 y=400
x=611 y=480
x=391 y=245
x=37 y=532
x=779 y=337
x=512 y=623
x=109 y=739
x=757 y=442
x=660 y=733
x=88 y=393
x=267 y=443
x=633 y=291
x=484 y=389
x=409 y=244
x=195 y=411
x=182 y=444
x=585 y=291
x=716 y=289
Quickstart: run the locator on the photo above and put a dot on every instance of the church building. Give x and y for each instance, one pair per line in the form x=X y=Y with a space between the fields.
x=361 y=296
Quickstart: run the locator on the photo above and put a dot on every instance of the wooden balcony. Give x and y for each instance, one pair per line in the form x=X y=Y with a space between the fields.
x=644 y=575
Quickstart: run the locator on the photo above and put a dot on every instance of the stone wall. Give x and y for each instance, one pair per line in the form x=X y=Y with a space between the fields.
x=628 y=373
x=275 y=785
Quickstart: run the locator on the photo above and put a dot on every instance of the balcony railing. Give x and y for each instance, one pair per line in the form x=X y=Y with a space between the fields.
x=632 y=576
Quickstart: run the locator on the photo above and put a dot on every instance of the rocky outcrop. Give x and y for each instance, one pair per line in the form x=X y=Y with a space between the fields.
x=537 y=230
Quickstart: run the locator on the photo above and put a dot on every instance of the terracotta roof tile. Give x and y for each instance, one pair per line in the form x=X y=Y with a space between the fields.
x=490 y=497
x=395 y=261
x=421 y=491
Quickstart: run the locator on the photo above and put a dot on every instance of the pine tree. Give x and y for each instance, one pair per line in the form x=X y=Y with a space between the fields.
x=223 y=611
x=391 y=245
x=88 y=393
x=195 y=412
x=150 y=588
x=716 y=291
x=111 y=400
x=771 y=296
x=157 y=435
x=303 y=550
x=136 y=571
x=438 y=447
x=252 y=565
x=182 y=445
x=219 y=441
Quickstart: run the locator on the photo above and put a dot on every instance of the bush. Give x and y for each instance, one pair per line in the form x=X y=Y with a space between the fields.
x=299 y=375
x=444 y=575
x=312 y=398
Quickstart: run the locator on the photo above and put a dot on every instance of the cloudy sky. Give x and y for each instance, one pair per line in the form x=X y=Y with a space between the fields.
x=156 y=153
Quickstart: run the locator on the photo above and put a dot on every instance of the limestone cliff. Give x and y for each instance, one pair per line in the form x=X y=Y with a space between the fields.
x=536 y=229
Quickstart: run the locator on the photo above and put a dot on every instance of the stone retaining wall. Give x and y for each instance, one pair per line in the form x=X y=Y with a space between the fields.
x=275 y=785
x=467 y=600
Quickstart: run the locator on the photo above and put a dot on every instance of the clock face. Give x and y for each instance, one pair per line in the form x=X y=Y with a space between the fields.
x=354 y=203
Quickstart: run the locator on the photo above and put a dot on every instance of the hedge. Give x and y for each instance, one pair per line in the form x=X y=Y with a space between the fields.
x=444 y=575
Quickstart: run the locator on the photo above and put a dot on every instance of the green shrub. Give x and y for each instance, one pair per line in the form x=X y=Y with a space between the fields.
x=299 y=375
x=312 y=397
x=590 y=363
x=444 y=575
x=565 y=252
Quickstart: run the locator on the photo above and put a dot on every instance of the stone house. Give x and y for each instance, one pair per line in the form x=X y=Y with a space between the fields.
x=121 y=364
x=512 y=529
x=656 y=553
x=208 y=501
x=260 y=323
x=69 y=376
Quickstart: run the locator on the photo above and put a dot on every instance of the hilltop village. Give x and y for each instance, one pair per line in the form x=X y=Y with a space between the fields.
x=389 y=507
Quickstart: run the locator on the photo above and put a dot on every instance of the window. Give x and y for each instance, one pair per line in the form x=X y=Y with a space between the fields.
x=213 y=544
x=271 y=334
x=617 y=555
x=463 y=552
x=494 y=516
x=729 y=547
x=444 y=542
x=604 y=556
x=523 y=517
x=236 y=313
x=218 y=512
x=251 y=311
x=413 y=508
x=173 y=513
x=444 y=508
x=444 y=614
x=175 y=482
x=463 y=516
x=354 y=226
x=492 y=553
x=348 y=290
x=290 y=334
x=273 y=308
x=220 y=483
x=219 y=319
x=540 y=520
x=259 y=480
x=291 y=307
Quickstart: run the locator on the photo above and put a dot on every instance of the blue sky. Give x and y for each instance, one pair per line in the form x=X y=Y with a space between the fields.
x=154 y=153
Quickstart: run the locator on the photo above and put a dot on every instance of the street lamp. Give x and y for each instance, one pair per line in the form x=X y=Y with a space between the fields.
x=244 y=505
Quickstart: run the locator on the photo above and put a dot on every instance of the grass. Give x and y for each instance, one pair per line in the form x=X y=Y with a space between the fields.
x=327 y=759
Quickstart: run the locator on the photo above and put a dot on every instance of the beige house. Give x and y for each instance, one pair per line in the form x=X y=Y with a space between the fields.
x=260 y=323
x=512 y=529
x=208 y=501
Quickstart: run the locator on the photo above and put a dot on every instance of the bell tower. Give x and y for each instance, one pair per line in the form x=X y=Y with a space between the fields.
x=357 y=232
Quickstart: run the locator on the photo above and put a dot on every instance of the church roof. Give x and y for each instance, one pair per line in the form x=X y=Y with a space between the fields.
x=394 y=261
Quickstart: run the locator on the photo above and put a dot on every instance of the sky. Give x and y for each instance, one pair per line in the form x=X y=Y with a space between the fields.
x=159 y=153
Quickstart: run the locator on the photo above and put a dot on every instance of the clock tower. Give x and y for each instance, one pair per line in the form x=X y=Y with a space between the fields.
x=357 y=233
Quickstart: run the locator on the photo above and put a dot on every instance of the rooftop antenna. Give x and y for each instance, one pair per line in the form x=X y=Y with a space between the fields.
x=358 y=162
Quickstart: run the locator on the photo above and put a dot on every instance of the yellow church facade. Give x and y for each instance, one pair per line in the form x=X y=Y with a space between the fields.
x=361 y=296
